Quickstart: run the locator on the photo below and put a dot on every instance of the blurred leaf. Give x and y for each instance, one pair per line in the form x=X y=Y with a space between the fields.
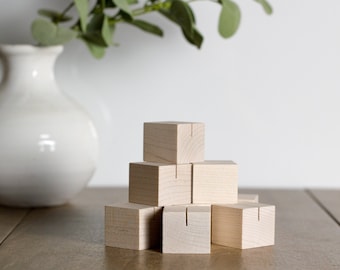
x=266 y=6
x=83 y=9
x=106 y=31
x=108 y=3
x=54 y=16
x=95 y=24
x=148 y=27
x=111 y=4
x=99 y=31
x=97 y=51
x=126 y=17
x=47 y=33
x=124 y=6
x=183 y=15
x=229 y=20
x=131 y=2
x=195 y=39
x=95 y=38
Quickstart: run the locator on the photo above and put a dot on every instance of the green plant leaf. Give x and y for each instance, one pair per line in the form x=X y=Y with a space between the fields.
x=107 y=3
x=266 y=6
x=124 y=6
x=229 y=19
x=95 y=24
x=83 y=9
x=195 y=39
x=182 y=15
x=148 y=27
x=96 y=51
x=94 y=31
x=99 y=31
x=111 y=4
x=47 y=33
x=131 y=2
x=54 y=16
x=107 y=31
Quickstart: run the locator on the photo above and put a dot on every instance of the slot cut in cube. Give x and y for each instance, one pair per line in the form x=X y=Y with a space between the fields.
x=160 y=184
x=243 y=225
x=244 y=198
x=173 y=142
x=186 y=229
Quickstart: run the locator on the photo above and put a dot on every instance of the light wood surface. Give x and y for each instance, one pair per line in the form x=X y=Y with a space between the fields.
x=242 y=197
x=72 y=237
x=243 y=225
x=186 y=229
x=160 y=184
x=173 y=142
x=132 y=226
x=214 y=182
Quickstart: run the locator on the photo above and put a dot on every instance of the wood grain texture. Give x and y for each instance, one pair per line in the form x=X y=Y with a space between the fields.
x=329 y=200
x=159 y=184
x=214 y=182
x=186 y=229
x=173 y=142
x=243 y=225
x=72 y=237
x=9 y=219
x=132 y=226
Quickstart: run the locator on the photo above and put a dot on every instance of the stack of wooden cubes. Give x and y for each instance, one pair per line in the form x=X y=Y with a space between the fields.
x=183 y=203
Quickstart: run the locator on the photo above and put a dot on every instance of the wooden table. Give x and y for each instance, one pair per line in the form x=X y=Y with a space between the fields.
x=72 y=237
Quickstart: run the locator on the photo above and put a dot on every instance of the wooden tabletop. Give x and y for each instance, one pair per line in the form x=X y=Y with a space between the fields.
x=72 y=236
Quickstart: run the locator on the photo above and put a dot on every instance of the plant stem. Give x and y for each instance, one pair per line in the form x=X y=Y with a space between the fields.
x=67 y=8
x=151 y=8
x=144 y=10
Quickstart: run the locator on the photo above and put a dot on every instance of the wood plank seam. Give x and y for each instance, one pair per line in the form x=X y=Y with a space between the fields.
x=16 y=226
x=320 y=204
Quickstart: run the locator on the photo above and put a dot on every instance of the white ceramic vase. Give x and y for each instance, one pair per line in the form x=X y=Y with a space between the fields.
x=48 y=143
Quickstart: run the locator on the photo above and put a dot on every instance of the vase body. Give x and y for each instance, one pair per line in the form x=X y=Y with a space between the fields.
x=48 y=143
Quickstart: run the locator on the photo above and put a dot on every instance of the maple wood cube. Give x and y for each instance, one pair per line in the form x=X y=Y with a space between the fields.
x=215 y=182
x=243 y=225
x=252 y=198
x=186 y=229
x=132 y=226
x=173 y=142
x=160 y=184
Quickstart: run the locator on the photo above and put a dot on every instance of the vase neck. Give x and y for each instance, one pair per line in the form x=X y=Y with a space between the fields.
x=23 y=63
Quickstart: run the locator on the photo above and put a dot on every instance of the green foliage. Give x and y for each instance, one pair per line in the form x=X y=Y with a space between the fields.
x=123 y=5
x=266 y=6
x=83 y=9
x=230 y=18
x=47 y=33
x=95 y=26
x=148 y=27
x=54 y=16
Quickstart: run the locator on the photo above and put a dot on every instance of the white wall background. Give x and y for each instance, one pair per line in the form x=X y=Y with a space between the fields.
x=270 y=96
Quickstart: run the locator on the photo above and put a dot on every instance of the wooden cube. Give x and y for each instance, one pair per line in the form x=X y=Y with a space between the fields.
x=252 y=198
x=243 y=225
x=186 y=229
x=160 y=184
x=173 y=142
x=132 y=226
x=214 y=182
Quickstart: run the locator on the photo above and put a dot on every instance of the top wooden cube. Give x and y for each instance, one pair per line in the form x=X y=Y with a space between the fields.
x=173 y=142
